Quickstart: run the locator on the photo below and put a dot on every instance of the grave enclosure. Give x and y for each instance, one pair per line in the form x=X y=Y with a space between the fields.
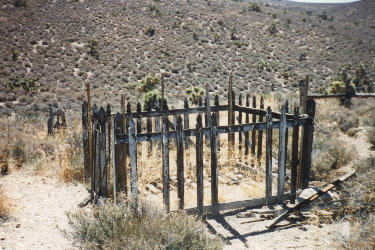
x=110 y=143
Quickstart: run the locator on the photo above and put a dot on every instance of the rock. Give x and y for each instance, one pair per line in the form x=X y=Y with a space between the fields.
x=18 y=225
x=152 y=189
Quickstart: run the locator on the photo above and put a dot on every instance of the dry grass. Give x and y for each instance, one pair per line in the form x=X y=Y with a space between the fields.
x=127 y=226
x=5 y=204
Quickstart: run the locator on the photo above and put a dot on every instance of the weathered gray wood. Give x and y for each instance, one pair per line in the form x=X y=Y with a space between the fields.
x=307 y=144
x=303 y=89
x=260 y=132
x=96 y=170
x=133 y=160
x=230 y=114
x=199 y=163
x=281 y=161
x=268 y=157
x=114 y=176
x=186 y=122
x=253 y=133
x=149 y=128
x=247 y=121
x=208 y=111
x=139 y=119
x=286 y=135
x=262 y=112
x=214 y=168
x=157 y=121
x=102 y=165
x=295 y=139
x=180 y=162
x=216 y=103
x=120 y=158
x=165 y=149
x=85 y=141
x=240 y=122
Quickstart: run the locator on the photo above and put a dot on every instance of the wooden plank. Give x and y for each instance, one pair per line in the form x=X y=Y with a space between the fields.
x=216 y=103
x=133 y=160
x=102 y=165
x=114 y=177
x=85 y=141
x=260 y=132
x=199 y=163
x=240 y=122
x=214 y=168
x=247 y=121
x=294 y=167
x=230 y=114
x=186 y=122
x=253 y=133
x=157 y=121
x=180 y=162
x=286 y=136
x=281 y=157
x=303 y=89
x=165 y=149
x=206 y=131
x=149 y=128
x=268 y=157
x=208 y=111
x=90 y=130
x=307 y=144
x=139 y=119
x=96 y=169
x=260 y=112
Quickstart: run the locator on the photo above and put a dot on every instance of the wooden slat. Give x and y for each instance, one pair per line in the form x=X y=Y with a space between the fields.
x=260 y=132
x=114 y=176
x=286 y=136
x=253 y=133
x=199 y=163
x=180 y=162
x=214 y=168
x=295 y=139
x=96 y=170
x=230 y=114
x=268 y=157
x=247 y=120
x=85 y=141
x=165 y=149
x=260 y=112
x=139 y=119
x=186 y=122
x=133 y=160
x=240 y=122
x=307 y=144
x=281 y=161
x=216 y=103
x=208 y=111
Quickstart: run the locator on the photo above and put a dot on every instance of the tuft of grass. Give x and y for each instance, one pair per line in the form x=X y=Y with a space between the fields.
x=127 y=226
x=5 y=205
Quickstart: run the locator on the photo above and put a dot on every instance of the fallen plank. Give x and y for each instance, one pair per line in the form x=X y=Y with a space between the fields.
x=251 y=221
x=310 y=199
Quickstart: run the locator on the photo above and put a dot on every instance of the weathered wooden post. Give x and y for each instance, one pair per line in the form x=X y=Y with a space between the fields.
x=260 y=132
x=268 y=198
x=214 y=168
x=113 y=159
x=303 y=90
x=253 y=133
x=149 y=127
x=216 y=103
x=89 y=128
x=120 y=157
x=165 y=149
x=307 y=142
x=186 y=121
x=199 y=159
x=247 y=120
x=240 y=122
x=295 y=139
x=85 y=140
x=286 y=136
x=180 y=162
x=281 y=162
x=133 y=160
x=208 y=111
x=230 y=116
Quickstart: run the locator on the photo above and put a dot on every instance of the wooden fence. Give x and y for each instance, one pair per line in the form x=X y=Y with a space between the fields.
x=111 y=140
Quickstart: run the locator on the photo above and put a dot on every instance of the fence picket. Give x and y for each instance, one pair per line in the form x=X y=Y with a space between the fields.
x=139 y=119
x=214 y=168
x=268 y=198
x=247 y=121
x=253 y=133
x=120 y=159
x=199 y=162
x=186 y=122
x=260 y=132
x=85 y=140
x=216 y=103
x=133 y=160
x=180 y=162
x=294 y=156
x=281 y=162
x=165 y=149
x=240 y=122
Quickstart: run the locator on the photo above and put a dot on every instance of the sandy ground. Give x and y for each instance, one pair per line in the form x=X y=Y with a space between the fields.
x=38 y=218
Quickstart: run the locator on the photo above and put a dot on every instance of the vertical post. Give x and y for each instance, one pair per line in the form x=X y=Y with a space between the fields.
x=260 y=132
x=186 y=121
x=230 y=113
x=307 y=141
x=113 y=158
x=268 y=157
x=96 y=170
x=199 y=159
x=165 y=150
x=120 y=159
x=85 y=140
x=180 y=162
x=294 y=156
x=89 y=128
x=139 y=119
x=208 y=111
x=253 y=133
x=217 y=120
x=281 y=163
x=286 y=136
x=247 y=120
x=149 y=127
x=240 y=122
x=162 y=91
x=102 y=154
x=214 y=168
x=133 y=160
x=303 y=89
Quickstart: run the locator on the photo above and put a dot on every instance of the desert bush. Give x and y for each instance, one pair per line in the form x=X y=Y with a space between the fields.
x=150 y=99
x=92 y=44
x=194 y=94
x=272 y=29
x=4 y=159
x=5 y=204
x=127 y=226
x=27 y=84
x=262 y=65
x=147 y=84
x=371 y=136
x=338 y=87
x=19 y=153
x=150 y=31
x=254 y=7
x=20 y=3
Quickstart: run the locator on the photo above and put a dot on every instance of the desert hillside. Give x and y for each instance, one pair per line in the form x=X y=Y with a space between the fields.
x=112 y=44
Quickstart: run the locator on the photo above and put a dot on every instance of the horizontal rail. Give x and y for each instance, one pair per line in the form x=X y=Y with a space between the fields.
x=261 y=112
x=251 y=203
x=121 y=138
x=359 y=95
x=174 y=112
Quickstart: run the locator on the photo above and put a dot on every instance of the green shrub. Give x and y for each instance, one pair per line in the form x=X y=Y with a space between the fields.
x=27 y=84
x=194 y=94
x=238 y=44
x=19 y=153
x=338 y=87
x=272 y=29
x=147 y=84
x=93 y=50
x=150 y=31
x=254 y=7
x=127 y=226
x=20 y=3
x=150 y=99
x=262 y=64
